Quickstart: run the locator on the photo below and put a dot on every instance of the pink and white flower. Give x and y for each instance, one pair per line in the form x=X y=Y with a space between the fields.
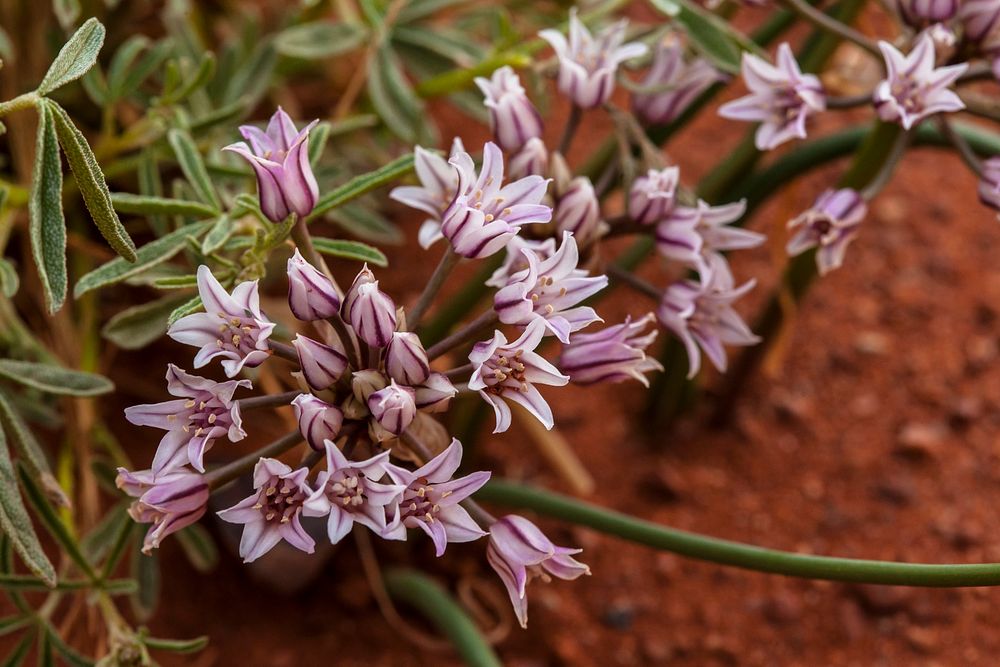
x=613 y=354
x=513 y=118
x=672 y=84
x=280 y=158
x=830 y=226
x=273 y=512
x=914 y=88
x=510 y=371
x=311 y=294
x=204 y=412
x=781 y=99
x=232 y=326
x=430 y=500
x=169 y=502
x=318 y=420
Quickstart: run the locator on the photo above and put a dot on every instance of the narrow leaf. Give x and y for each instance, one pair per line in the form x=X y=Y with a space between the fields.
x=9 y=280
x=149 y=255
x=54 y=379
x=67 y=12
x=16 y=524
x=90 y=178
x=359 y=185
x=146 y=571
x=16 y=657
x=177 y=645
x=47 y=225
x=69 y=654
x=138 y=326
x=319 y=39
x=367 y=224
x=144 y=205
x=30 y=451
x=393 y=99
x=77 y=56
x=355 y=250
x=13 y=623
x=218 y=234
x=199 y=547
x=56 y=528
x=193 y=166
x=711 y=35
x=192 y=306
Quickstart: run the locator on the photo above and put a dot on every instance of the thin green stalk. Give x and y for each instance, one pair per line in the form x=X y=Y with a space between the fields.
x=24 y=101
x=425 y=595
x=448 y=262
x=738 y=554
x=832 y=25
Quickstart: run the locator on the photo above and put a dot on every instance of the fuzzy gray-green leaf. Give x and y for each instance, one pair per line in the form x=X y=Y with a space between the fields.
x=54 y=379
x=47 y=225
x=361 y=252
x=9 y=280
x=319 y=39
x=77 y=56
x=193 y=166
x=149 y=255
x=125 y=202
x=16 y=524
x=140 y=325
x=90 y=179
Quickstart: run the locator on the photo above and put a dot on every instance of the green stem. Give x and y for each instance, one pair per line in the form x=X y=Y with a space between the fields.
x=737 y=554
x=227 y=473
x=448 y=262
x=423 y=594
x=20 y=102
x=832 y=26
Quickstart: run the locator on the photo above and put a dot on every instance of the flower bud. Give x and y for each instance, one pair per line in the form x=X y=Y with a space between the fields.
x=435 y=394
x=322 y=365
x=370 y=311
x=393 y=407
x=671 y=85
x=513 y=117
x=311 y=294
x=318 y=420
x=406 y=360
x=576 y=209
x=920 y=13
x=532 y=160
x=280 y=158
x=653 y=196
x=365 y=383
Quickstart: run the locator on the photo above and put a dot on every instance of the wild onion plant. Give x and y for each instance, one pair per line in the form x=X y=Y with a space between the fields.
x=213 y=195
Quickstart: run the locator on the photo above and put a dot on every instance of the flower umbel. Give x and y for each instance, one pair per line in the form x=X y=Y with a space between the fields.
x=280 y=158
x=231 y=327
x=519 y=552
x=204 y=412
x=781 y=99
x=510 y=371
x=272 y=513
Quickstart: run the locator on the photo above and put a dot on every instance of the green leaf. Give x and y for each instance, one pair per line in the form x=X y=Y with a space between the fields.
x=184 y=89
x=9 y=280
x=191 y=306
x=144 y=205
x=367 y=224
x=362 y=184
x=54 y=379
x=47 y=225
x=6 y=47
x=76 y=57
x=176 y=282
x=90 y=179
x=16 y=657
x=317 y=142
x=199 y=547
x=24 y=582
x=355 y=250
x=56 y=528
x=16 y=524
x=393 y=98
x=146 y=571
x=138 y=326
x=104 y=536
x=65 y=651
x=30 y=451
x=218 y=234
x=711 y=35
x=11 y=624
x=67 y=12
x=151 y=254
x=177 y=645
x=193 y=166
x=123 y=60
x=319 y=39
